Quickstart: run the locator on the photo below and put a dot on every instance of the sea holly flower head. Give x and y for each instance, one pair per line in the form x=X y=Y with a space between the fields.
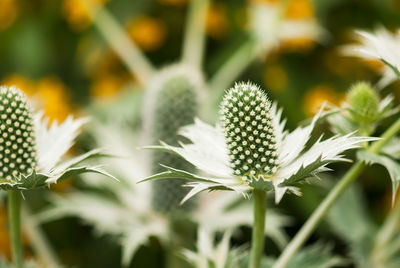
x=249 y=132
x=362 y=110
x=30 y=152
x=17 y=137
x=364 y=103
x=250 y=149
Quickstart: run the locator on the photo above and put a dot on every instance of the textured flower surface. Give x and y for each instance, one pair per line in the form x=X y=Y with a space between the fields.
x=250 y=149
x=30 y=151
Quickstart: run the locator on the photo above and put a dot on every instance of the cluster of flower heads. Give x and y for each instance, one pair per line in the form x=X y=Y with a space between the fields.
x=233 y=157
x=17 y=137
x=249 y=133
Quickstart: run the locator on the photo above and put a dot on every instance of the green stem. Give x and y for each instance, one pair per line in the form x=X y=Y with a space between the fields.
x=389 y=228
x=234 y=66
x=38 y=239
x=14 y=221
x=124 y=47
x=193 y=45
x=257 y=240
x=313 y=221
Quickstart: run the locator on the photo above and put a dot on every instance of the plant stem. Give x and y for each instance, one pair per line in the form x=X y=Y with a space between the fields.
x=386 y=233
x=38 y=240
x=14 y=222
x=129 y=53
x=257 y=240
x=193 y=45
x=234 y=66
x=313 y=221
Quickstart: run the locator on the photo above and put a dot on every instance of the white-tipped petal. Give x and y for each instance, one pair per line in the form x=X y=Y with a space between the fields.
x=207 y=151
x=55 y=140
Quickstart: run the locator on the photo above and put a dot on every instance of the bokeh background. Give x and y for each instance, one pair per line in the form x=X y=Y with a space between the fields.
x=50 y=49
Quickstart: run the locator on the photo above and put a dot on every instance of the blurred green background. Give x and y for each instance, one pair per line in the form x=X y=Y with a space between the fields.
x=49 y=48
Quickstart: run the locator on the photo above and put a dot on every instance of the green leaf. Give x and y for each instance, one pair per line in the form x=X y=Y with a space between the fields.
x=349 y=220
x=177 y=174
x=340 y=124
x=316 y=256
x=304 y=173
x=391 y=166
x=392 y=148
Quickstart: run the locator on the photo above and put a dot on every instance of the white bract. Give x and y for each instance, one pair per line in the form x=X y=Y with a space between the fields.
x=268 y=26
x=380 y=45
x=283 y=162
x=31 y=151
x=210 y=255
x=128 y=215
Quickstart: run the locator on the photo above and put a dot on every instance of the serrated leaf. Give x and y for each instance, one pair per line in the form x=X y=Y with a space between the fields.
x=176 y=173
x=391 y=166
x=316 y=256
x=304 y=173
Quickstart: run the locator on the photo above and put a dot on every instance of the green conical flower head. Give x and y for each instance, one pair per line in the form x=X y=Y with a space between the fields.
x=249 y=132
x=17 y=137
x=175 y=107
x=364 y=102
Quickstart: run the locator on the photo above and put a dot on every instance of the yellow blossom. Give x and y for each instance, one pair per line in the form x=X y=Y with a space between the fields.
x=24 y=83
x=297 y=44
x=8 y=13
x=316 y=96
x=275 y=78
x=76 y=13
x=217 y=25
x=107 y=86
x=148 y=33
x=300 y=9
x=263 y=1
x=173 y=2
x=54 y=95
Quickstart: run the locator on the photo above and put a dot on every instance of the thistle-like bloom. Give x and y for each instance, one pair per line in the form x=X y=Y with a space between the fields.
x=380 y=45
x=251 y=150
x=30 y=153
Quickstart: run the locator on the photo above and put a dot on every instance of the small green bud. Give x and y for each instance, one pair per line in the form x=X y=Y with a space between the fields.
x=364 y=103
x=249 y=132
x=17 y=137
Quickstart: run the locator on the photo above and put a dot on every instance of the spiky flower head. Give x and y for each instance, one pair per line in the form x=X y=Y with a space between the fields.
x=249 y=132
x=172 y=102
x=17 y=136
x=364 y=103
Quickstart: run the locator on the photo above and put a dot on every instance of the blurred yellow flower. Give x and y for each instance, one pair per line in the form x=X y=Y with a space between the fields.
x=263 y=1
x=300 y=9
x=54 y=95
x=173 y=2
x=148 y=33
x=217 y=24
x=275 y=78
x=316 y=96
x=76 y=13
x=23 y=83
x=107 y=86
x=8 y=13
x=297 y=44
